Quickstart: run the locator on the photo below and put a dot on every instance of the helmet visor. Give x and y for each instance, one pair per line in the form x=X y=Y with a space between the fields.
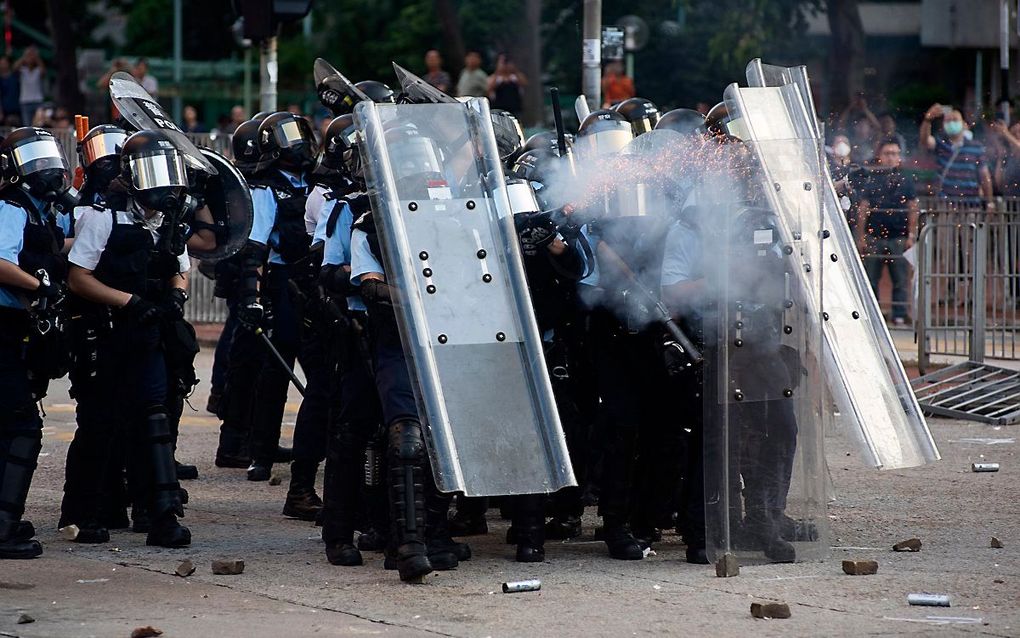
x=103 y=145
x=603 y=142
x=38 y=155
x=415 y=156
x=293 y=133
x=158 y=170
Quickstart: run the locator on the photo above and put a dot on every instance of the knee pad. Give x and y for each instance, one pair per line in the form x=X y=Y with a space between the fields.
x=406 y=444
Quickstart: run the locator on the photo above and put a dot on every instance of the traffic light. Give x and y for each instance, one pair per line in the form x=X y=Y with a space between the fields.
x=262 y=18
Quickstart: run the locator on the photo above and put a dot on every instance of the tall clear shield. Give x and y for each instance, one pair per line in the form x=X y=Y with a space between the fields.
x=869 y=386
x=764 y=467
x=467 y=325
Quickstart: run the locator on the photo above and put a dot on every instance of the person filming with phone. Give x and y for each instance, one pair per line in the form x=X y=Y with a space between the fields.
x=962 y=164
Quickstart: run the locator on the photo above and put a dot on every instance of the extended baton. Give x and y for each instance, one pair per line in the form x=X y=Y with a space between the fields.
x=279 y=359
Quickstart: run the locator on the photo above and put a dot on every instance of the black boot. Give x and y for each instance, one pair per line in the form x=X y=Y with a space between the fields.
x=470 y=517
x=762 y=532
x=233 y=448
x=185 y=472
x=621 y=543
x=406 y=451
x=13 y=544
x=16 y=469
x=165 y=531
x=444 y=552
x=343 y=554
x=260 y=472
x=283 y=455
x=563 y=528
x=529 y=527
x=302 y=501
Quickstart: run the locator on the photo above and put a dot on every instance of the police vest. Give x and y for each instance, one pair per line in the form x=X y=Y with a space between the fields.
x=43 y=239
x=292 y=242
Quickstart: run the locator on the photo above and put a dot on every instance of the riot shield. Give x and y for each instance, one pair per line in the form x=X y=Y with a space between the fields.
x=764 y=467
x=418 y=90
x=876 y=404
x=142 y=111
x=229 y=200
x=336 y=92
x=463 y=307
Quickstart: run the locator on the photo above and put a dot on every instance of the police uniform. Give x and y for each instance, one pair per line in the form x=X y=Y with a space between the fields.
x=31 y=239
x=119 y=373
x=418 y=511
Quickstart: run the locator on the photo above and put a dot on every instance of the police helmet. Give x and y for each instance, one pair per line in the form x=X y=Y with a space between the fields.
x=100 y=152
x=603 y=132
x=683 y=121
x=339 y=155
x=509 y=134
x=155 y=171
x=288 y=139
x=377 y=91
x=413 y=154
x=642 y=114
x=32 y=156
x=717 y=118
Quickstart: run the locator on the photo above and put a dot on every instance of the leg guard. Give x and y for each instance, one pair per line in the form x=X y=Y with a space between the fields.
x=20 y=455
x=406 y=455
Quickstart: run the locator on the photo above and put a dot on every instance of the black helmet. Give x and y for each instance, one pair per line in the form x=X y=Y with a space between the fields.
x=718 y=116
x=288 y=139
x=155 y=171
x=261 y=115
x=339 y=155
x=413 y=155
x=603 y=131
x=100 y=153
x=509 y=134
x=642 y=114
x=377 y=91
x=544 y=140
x=533 y=165
x=33 y=157
x=246 y=148
x=683 y=121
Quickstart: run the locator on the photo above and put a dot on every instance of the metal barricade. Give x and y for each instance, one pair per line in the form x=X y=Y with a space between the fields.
x=968 y=279
x=202 y=306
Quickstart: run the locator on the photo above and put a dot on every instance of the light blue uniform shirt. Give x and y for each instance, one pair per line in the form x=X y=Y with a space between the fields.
x=592 y=279
x=12 y=240
x=263 y=227
x=362 y=259
x=336 y=250
x=682 y=258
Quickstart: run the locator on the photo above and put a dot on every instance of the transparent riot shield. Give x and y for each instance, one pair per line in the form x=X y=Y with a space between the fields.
x=463 y=307
x=875 y=402
x=764 y=466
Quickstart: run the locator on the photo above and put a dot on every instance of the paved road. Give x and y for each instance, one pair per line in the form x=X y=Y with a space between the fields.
x=288 y=589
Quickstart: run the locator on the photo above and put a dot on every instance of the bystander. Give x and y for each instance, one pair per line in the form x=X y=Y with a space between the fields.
x=9 y=91
x=473 y=81
x=506 y=86
x=887 y=223
x=963 y=171
x=616 y=85
x=31 y=71
x=435 y=75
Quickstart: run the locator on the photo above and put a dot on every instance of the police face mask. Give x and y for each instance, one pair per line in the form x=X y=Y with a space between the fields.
x=159 y=181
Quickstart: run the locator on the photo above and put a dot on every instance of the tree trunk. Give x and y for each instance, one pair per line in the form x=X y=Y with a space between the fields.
x=530 y=59
x=846 y=73
x=65 y=58
x=453 y=50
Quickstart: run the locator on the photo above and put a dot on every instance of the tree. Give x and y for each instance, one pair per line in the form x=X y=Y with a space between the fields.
x=65 y=54
x=846 y=77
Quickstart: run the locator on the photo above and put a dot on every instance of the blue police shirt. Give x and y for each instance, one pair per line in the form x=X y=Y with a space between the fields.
x=263 y=227
x=336 y=250
x=362 y=259
x=592 y=278
x=12 y=240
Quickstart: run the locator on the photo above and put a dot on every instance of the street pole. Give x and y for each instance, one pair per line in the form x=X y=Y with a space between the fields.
x=591 y=54
x=979 y=82
x=1004 y=58
x=178 y=58
x=268 y=70
x=247 y=81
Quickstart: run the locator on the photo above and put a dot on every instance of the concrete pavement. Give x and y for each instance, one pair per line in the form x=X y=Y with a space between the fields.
x=288 y=589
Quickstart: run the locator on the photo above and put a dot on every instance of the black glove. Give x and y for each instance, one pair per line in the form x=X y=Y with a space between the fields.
x=336 y=280
x=173 y=303
x=142 y=311
x=535 y=232
x=47 y=289
x=251 y=315
x=376 y=292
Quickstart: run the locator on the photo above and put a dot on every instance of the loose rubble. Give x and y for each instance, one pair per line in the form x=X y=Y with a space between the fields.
x=727 y=566
x=909 y=545
x=185 y=569
x=860 y=567
x=770 y=610
x=227 y=567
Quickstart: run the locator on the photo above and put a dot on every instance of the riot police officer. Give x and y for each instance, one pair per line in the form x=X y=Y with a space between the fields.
x=120 y=374
x=279 y=240
x=31 y=275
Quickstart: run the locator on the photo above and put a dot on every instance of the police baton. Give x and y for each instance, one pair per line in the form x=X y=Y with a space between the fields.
x=279 y=359
x=664 y=316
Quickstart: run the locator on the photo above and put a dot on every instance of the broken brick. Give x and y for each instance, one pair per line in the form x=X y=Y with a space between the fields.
x=227 y=567
x=727 y=566
x=770 y=610
x=909 y=545
x=860 y=567
x=185 y=569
